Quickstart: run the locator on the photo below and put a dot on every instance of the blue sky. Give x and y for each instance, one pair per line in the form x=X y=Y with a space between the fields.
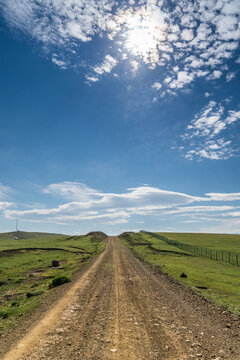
x=120 y=116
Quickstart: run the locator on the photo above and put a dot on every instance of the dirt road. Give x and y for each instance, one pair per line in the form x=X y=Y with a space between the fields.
x=123 y=309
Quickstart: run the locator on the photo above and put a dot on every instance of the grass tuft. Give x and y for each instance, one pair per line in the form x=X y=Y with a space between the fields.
x=59 y=280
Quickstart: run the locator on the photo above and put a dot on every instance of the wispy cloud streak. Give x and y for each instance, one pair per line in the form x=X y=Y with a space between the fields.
x=86 y=204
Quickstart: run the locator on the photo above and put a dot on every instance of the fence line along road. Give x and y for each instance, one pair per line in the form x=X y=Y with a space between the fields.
x=218 y=255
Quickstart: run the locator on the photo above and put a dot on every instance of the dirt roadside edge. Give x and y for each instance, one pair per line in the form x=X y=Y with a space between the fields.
x=12 y=335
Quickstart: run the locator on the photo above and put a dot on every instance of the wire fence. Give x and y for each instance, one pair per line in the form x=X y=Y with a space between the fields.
x=218 y=255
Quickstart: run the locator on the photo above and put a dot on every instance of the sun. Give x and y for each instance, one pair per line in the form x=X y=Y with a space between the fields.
x=140 y=37
x=143 y=34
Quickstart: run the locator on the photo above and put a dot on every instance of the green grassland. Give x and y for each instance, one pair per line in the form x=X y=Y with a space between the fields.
x=215 y=280
x=26 y=269
x=222 y=242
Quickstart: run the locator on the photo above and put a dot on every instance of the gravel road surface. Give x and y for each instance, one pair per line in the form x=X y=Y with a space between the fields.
x=120 y=308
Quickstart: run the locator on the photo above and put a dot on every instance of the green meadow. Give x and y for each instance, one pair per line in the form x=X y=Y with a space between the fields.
x=27 y=271
x=222 y=242
x=215 y=280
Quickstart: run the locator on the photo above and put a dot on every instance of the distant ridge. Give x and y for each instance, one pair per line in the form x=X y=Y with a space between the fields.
x=21 y=235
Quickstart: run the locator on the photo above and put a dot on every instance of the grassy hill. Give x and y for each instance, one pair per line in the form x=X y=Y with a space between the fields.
x=26 y=235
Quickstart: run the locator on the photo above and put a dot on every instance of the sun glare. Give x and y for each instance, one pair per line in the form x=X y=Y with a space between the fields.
x=140 y=38
x=143 y=34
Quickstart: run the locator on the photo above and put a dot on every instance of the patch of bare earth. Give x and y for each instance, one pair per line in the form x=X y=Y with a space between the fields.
x=122 y=309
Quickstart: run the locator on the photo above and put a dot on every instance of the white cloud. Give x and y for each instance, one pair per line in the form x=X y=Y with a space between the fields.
x=90 y=204
x=144 y=33
x=4 y=191
x=204 y=133
x=135 y=65
x=62 y=64
x=5 y=205
x=59 y=22
x=105 y=67
x=230 y=76
x=157 y=86
x=215 y=75
x=133 y=206
x=208 y=122
x=92 y=78
x=224 y=226
x=200 y=209
x=231 y=7
x=182 y=79
x=224 y=196
x=187 y=34
x=233 y=116
x=233 y=214
x=71 y=190
x=207 y=94
x=218 y=150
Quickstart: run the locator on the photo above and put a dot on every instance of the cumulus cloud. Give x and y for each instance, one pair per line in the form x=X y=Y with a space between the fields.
x=187 y=40
x=204 y=133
